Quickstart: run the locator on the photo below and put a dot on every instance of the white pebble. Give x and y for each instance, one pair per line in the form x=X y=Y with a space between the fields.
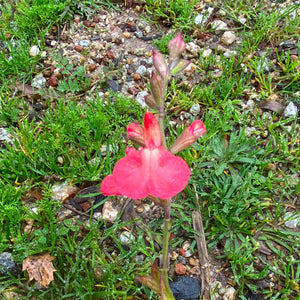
x=34 y=51
x=293 y=222
x=109 y=213
x=126 y=237
x=228 y=38
x=290 y=111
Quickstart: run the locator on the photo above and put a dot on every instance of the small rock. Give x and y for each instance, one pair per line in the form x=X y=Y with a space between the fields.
x=133 y=90
x=34 y=51
x=290 y=111
x=38 y=81
x=193 y=49
x=219 y=25
x=180 y=269
x=104 y=148
x=293 y=222
x=4 y=135
x=230 y=53
x=126 y=35
x=139 y=258
x=84 y=43
x=78 y=48
x=62 y=191
x=53 y=81
x=113 y=85
x=140 y=98
x=228 y=38
x=110 y=54
x=7 y=264
x=221 y=291
x=136 y=76
x=126 y=238
x=188 y=253
x=139 y=51
x=206 y=53
x=195 y=109
x=242 y=20
x=229 y=293
x=249 y=131
x=194 y=262
x=187 y=288
x=202 y=18
x=141 y=70
x=148 y=29
x=139 y=34
x=109 y=213
x=181 y=252
x=92 y=67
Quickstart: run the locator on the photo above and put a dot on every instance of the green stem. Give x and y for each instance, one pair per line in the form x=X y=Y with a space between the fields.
x=161 y=118
x=165 y=263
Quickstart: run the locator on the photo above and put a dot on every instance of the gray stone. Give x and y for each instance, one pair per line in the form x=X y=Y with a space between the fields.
x=187 y=288
x=4 y=135
x=193 y=49
x=38 y=81
x=84 y=43
x=139 y=34
x=126 y=238
x=8 y=265
x=290 y=111
x=202 y=18
x=291 y=222
x=141 y=70
x=219 y=25
x=195 y=109
x=229 y=293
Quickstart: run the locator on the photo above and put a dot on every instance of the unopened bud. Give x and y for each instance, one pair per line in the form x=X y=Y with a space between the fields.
x=188 y=137
x=150 y=101
x=136 y=133
x=176 y=47
x=159 y=64
x=156 y=87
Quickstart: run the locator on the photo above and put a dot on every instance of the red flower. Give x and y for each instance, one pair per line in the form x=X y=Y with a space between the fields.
x=151 y=170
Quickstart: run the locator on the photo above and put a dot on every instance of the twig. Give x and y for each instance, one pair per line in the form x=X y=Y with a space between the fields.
x=202 y=250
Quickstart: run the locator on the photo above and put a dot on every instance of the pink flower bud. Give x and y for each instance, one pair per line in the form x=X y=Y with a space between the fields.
x=136 y=133
x=156 y=87
x=159 y=64
x=176 y=47
x=150 y=102
x=188 y=137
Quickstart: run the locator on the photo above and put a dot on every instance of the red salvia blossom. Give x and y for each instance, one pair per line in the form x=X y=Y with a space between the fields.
x=151 y=170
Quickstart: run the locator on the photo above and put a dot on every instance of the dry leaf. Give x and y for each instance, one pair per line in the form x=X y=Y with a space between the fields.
x=40 y=268
x=26 y=89
x=273 y=106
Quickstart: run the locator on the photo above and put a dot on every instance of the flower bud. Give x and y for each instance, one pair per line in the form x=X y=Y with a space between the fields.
x=159 y=64
x=176 y=47
x=188 y=136
x=150 y=101
x=136 y=133
x=156 y=87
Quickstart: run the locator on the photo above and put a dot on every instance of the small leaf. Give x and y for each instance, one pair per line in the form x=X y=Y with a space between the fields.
x=273 y=106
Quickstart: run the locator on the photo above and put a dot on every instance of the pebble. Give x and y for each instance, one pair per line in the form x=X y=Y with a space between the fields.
x=78 y=48
x=53 y=81
x=84 y=43
x=206 y=53
x=139 y=258
x=7 y=264
x=192 y=49
x=38 y=81
x=180 y=269
x=290 y=111
x=126 y=238
x=63 y=191
x=195 y=109
x=228 y=38
x=140 y=98
x=229 y=293
x=34 y=51
x=219 y=25
x=141 y=70
x=201 y=18
x=4 y=135
x=126 y=35
x=139 y=51
x=293 y=222
x=109 y=213
x=139 y=34
x=104 y=148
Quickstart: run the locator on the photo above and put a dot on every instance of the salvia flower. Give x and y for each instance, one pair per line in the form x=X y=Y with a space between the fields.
x=150 y=170
x=188 y=137
x=136 y=133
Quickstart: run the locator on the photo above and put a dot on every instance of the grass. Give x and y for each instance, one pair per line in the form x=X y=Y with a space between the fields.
x=245 y=183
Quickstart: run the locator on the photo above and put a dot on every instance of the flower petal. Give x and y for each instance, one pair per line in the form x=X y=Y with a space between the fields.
x=151 y=131
x=109 y=187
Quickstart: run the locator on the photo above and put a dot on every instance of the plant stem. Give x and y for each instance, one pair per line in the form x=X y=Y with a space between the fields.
x=161 y=118
x=165 y=263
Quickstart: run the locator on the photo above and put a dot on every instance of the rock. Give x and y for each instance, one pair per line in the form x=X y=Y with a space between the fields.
x=110 y=54
x=126 y=238
x=38 y=81
x=126 y=35
x=140 y=98
x=139 y=34
x=92 y=67
x=78 y=48
x=136 y=76
x=139 y=51
x=109 y=213
x=195 y=109
x=4 y=135
x=228 y=38
x=113 y=85
x=219 y=25
x=206 y=53
x=8 y=265
x=147 y=29
x=292 y=222
x=141 y=70
x=104 y=148
x=202 y=18
x=186 y=288
x=34 y=51
x=193 y=49
x=84 y=43
x=63 y=191
x=290 y=111
x=229 y=293
x=139 y=258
